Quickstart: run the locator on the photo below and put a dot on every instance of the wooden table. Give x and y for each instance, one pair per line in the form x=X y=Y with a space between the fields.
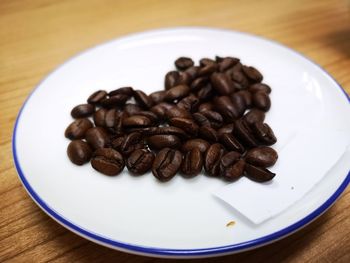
x=37 y=36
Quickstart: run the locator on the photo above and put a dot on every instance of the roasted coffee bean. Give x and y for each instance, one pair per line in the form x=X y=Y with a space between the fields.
x=226 y=63
x=199 y=83
x=205 y=93
x=114 y=101
x=183 y=63
x=189 y=103
x=188 y=125
x=212 y=159
x=166 y=164
x=253 y=116
x=215 y=119
x=253 y=74
x=228 y=128
x=192 y=72
x=142 y=99
x=157 y=96
x=207 y=70
x=238 y=77
x=177 y=92
x=225 y=106
x=124 y=90
x=79 y=152
x=261 y=100
x=262 y=156
x=257 y=87
x=99 y=117
x=200 y=119
x=158 y=142
x=150 y=115
x=208 y=133
x=111 y=118
x=228 y=159
x=175 y=111
x=171 y=79
x=206 y=106
x=244 y=134
x=258 y=174
x=200 y=144
x=77 y=129
x=97 y=137
x=164 y=130
x=130 y=143
x=132 y=109
x=264 y=133
x=239 y=103
x=82 y=110
x=206 y=61
x=97 y=96
x=192 y=163
x=222 y=83
x=161 y=108
x=231 y=143
x=136 y=121
x=235 y=171
x=107 y=161
x=247 y=97
x=140 y=161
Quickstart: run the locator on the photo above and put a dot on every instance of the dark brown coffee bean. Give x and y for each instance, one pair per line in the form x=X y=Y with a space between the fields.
x=97 y=137
x=231 y=143
x=82 y=110
x=228 y=128
x=212 y=159
x=171 y=79
x=111 y=118
x=206 y=61
x=183 y=63
x=97 y=96
x=158 y=142
x=258 y=174
x=261 y=100
x=228 y=159
x=253 y=74
x=238 y=77
x=79 y=152
x=235 y=171
x=247 y=97
x=200 y=119
x=208 y=133
x=130 y=143
x=132 y=109
x=253 y=116
x=257 y=87
x=239 y=103
x=199 y=83
x=107 y=161
x=226 y=63
x=264 y=133
x=192 y=163
x=200 y=144
x=164 y=130
x=177 y=93
x=189 y=103
x=166 y=164
x=215 y=119
x=192 y=72
x=142 y=99
x=188 y=125
x=160 y=109
x=207 y=70
x=136 y=121
x=206 y=106
x=124 y=90
x=244 y=134
x=77 y=129
x=262 y=156
x=222 y=83
x=150 y=115
x=99 y=117
x=114 y=101
x=157 y=96
x=205 y=93
x=140 y=161
x=225 y=106
x=175 y=111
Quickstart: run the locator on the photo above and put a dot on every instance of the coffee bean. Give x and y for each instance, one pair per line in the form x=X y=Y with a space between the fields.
x=212 y=159
x=99 y=117
x=183 y=63
x=208 y=133
x=189 y=103
x=205 y=93
x=175 y=111
x=264 y=133
x=97 y=137
x=192 y=72
x=239 y=103
x=158 y=142
x=140 y=161
x=200 y=144
x=107 y=161
x=226 y=63
x=200 y=119
x=224 y=105
x=207 y=70
x=160 y=109
x=157 y=96
x=150 y=115
x=188 y=125
x=114 y=101
x=253 y=116
x=231 y=143
x=206 y=106
x=215 y=119
x=258 y=174
x=257 y=87
x=235 y=171
x=228 y=128
x=165 y=130
x=77 y=129
x=82 y=110
x=110 y=118
x=166 y=164
x=171 y=79
x=222 y=83
x=252 y=73
x=124 y=90
x=261 y=100
x=132 y=109
x=129 y=143
x=136 y=121
x=238 y=77
x=206 y=61
x=192 y=163
x=79 y=152
x=228 y=159
x=97 y=96
x=244 y=134
x=177 y=93
x=246 y=96
x=199 y=83
x=142 y=99
x=262 y=156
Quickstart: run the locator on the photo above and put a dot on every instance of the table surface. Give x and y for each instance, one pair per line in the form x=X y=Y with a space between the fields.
x=37 y=36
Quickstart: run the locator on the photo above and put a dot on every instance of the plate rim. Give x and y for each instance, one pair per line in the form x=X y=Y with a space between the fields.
x=168 y=252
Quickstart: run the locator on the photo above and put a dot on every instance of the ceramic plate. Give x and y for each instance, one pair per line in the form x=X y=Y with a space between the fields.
x=140 y=215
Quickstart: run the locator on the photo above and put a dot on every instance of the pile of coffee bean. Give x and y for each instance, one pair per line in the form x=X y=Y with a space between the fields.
x=210 y=115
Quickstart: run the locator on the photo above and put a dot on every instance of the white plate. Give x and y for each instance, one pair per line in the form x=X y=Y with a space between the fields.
x=180 y=218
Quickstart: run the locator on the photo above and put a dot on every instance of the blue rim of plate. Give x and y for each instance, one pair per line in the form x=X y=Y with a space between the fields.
x=211 y=251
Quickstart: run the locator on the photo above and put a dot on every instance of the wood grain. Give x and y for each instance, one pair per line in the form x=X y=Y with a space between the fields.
x=37 y=36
